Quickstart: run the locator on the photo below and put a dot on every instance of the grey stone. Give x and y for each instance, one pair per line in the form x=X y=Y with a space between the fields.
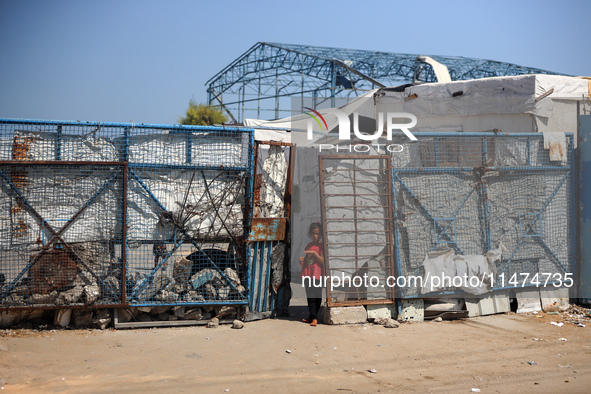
x=9 y=318
x=101 y=319
x=179 y=311
x=48 y=298
x=82 y=317
x=194 y=314
x=194 y=296
x=160 y=309
x=62 y=317
x=204 y=276
x=124 y=315
x=69 y=297
x=181 y=271
x=143 y=317
x=391 y=323
x=381 y=320
x=163 y=316
x=213 y=323
x=91 y=293
x=237 y=324
x=344 y=315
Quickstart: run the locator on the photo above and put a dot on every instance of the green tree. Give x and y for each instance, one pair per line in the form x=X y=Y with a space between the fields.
x=203 y=115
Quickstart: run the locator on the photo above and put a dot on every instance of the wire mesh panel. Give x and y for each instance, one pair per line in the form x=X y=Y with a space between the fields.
x=174 y=234
x=60 y=226
x=356 y=206
x=489 y=210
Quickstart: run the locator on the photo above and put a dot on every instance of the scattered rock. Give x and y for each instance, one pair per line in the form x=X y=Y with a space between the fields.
x=438 y=319
x=193 y=314
x=213 y=323
x=237 y=324
x=101 y=319
x=62 y=317
x=391 y=323
x=181 y=271
x=48 y=298
x=91 y=293
x=69 y=297
x=381 y=320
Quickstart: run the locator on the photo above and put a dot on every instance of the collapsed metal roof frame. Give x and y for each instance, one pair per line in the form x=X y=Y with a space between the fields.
x=270 y=72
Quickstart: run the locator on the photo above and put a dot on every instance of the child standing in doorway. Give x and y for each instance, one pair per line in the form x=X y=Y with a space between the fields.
x=313 y=271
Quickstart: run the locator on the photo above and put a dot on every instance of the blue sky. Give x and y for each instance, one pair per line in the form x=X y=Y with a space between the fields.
x=142 y=61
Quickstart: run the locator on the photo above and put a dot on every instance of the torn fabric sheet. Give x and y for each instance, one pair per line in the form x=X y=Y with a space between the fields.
x=440 y=265
x=556 y=143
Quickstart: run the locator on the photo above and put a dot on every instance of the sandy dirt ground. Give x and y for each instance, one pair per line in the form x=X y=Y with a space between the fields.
x=490 y=353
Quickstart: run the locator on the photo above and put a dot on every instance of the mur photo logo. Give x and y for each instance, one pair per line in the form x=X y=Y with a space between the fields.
x=392 y=121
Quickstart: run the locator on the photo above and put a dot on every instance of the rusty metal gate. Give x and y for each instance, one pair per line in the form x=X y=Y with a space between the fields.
x=356 y=195
x=114 y=214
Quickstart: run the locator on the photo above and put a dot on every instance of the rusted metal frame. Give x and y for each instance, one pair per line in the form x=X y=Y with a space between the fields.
x=355 y=207
x=384 y=301
x=254 y=181
x=288 y=184
x=56 y=234
x=275 y=143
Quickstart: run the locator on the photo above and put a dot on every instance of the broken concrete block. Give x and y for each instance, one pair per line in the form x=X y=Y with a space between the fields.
x=193 y=314
x=204 y=276
x=376 y=311
x=163 y=316
x=194 y=296
x=82 y=317
x=145 y=309
x=9 y=318
x=166 y=296
x=62 y=317
x=412 y=310
x=391 y=323
x=48 y=298
x=344 y=315
x=181 y=271
x=69 y=297
x=160 y=309
x=528 y=300
x=179 y=311
x=489 y=305
x=554 y=299
x=210 y=292
x=237 y=324
x=101 y=319
x=143 y=317
x=381 y=320
x=91 y=293
x=213 y=323
x=32 y=314
x=124 y=315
